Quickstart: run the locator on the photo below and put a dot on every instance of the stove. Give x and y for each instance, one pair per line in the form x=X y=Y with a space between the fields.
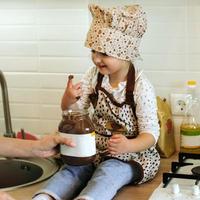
x=183 y=182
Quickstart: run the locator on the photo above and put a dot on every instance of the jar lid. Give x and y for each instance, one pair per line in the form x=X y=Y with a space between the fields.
x=191 y=83
x=75 y=112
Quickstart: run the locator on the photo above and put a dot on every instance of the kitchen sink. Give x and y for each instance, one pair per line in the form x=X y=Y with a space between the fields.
x=15 y=173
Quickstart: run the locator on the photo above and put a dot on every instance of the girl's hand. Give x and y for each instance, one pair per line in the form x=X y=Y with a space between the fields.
x=72 y=93
x=118 y=144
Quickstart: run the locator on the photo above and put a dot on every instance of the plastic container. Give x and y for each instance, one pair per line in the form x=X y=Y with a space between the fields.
x=77 y=125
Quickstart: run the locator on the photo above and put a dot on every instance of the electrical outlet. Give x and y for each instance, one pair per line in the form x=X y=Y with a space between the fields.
x=179 y=103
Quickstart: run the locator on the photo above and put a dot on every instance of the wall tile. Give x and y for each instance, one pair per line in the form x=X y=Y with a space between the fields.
x=22 y=80
x=163 y=45
x=154 y=62
x=173 y=29
x=63 y=17
x=193 y=30
x=18 y=33
x=29 y=125
x=193 y=62
x=62 y=32
x=63 y=49
x=28 y=111
x=24 y=96
x=18 y=49
x=193 y=13
x=2 y=126
x=65 y=64
x=51 y=112
x=48 y=126
x=63 y=4
x=19 y=64
x=193 y=46
x=56 y=81
x=17 y=17
x=51 y=96
x=18 y=4
x=166 y=13
x=157 y=3
x=172 y=79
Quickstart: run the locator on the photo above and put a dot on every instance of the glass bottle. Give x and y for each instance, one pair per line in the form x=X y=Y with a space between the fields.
x=190 y=127
x=77 y=125
x=191 y=88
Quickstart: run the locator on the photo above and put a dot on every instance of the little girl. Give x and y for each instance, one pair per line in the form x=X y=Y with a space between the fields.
x=125 y=112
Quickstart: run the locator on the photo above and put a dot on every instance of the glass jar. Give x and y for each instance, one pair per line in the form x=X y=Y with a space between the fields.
x=77 y=125
x=190 y=128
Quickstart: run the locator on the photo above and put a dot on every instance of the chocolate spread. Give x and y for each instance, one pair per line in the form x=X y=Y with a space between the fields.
x=78 y=126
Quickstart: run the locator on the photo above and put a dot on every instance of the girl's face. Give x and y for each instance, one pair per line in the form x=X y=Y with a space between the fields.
x=109 y=65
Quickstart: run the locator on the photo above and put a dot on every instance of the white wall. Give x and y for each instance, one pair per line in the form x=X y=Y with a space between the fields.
x=42 y=41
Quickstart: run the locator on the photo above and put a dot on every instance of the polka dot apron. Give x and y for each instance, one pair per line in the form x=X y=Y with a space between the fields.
x=111 y=117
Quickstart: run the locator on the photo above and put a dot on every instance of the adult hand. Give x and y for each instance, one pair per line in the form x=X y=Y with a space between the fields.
x=5 y=196
x=118 y=144
x=72 y=93
x=46 y=146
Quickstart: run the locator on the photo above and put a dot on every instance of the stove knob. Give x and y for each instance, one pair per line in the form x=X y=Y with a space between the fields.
x=195 y=190
x=175 y=188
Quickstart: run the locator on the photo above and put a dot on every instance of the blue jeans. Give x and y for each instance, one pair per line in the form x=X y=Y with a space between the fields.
x=101 y=183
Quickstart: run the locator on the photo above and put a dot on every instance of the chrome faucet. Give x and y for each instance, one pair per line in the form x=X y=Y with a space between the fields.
x=6 y=108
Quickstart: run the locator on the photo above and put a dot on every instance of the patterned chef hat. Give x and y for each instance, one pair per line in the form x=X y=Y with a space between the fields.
x=117 y=31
